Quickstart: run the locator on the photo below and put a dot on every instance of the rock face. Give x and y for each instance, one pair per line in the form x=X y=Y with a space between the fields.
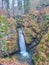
x=12 y=61
x=29 y=26
x=42 y=55
x=30 y=31
x=8 y=36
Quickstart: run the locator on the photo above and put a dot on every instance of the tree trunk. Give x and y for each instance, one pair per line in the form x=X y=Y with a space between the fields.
x=2 y=4
x=13 y=8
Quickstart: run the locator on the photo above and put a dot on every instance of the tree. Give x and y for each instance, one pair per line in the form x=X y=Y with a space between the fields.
x=41 y=18
x=22 y=6
x=7 y=7
x=26 y=5
x=2 y=4
x=13 y=2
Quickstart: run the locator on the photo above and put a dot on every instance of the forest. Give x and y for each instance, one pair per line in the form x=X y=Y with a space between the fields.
x=24 y=32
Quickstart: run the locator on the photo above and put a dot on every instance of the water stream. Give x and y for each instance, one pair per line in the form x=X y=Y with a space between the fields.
x=22 y=45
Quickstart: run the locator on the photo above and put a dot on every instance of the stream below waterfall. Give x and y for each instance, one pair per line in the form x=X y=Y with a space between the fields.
x=24 y=54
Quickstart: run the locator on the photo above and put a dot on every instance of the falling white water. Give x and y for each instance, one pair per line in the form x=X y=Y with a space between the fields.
x=22 y=43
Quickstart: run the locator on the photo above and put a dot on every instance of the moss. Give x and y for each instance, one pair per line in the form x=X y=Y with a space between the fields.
x=37 y=58
x=48 y=56
x=43 y=49
x=28 y=40
x=9 y=58
x=27 y=35
x=32 y=17
x=4 y=24
x=48 y=38
x=8 y=45
x=47 y=17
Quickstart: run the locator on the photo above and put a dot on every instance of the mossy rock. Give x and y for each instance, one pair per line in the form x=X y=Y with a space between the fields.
x=8 y=37
x=28 y=25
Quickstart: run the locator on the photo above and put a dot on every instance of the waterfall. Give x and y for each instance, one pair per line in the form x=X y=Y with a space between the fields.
x=23 y=50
